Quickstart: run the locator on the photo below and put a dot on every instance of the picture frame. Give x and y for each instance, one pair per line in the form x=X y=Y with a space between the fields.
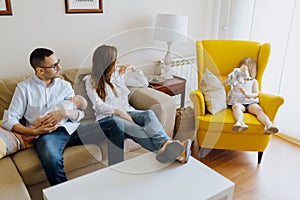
x=84 y=6
x=5 y=7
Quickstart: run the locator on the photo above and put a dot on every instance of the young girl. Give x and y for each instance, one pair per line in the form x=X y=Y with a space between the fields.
x=244 y=98
x=108 y=93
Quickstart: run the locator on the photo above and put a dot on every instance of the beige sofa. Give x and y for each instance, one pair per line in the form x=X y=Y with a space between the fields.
x=22 y=176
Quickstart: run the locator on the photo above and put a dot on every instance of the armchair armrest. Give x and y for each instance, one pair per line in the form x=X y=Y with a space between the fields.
x=197 y=98
x=270 y=104
x=162 y=104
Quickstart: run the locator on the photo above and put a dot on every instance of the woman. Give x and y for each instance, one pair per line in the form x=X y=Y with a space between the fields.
x=243 y=97
x=109 y=95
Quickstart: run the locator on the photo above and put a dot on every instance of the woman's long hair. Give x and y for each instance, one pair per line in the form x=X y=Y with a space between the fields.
x=103 y=66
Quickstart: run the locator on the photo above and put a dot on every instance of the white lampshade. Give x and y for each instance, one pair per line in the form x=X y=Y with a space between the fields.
x=171 y=27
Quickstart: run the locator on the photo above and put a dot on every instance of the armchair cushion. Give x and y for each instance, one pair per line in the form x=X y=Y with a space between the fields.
x=214 y=92
x=222 y=122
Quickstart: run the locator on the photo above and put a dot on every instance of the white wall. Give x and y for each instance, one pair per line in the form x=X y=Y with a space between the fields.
x=277 y=22
x=44 y=23
x=290 y=70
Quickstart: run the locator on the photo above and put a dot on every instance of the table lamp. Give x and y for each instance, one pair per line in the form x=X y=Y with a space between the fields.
x=170 y=28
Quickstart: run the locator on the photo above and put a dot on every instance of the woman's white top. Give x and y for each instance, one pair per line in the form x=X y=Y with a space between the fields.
x=112 y=102
x=235 y=96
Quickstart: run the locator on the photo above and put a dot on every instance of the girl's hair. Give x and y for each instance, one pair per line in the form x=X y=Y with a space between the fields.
x=103 y=66
x=251 y=64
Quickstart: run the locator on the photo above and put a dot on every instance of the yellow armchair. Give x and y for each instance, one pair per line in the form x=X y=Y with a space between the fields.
x=215 y=131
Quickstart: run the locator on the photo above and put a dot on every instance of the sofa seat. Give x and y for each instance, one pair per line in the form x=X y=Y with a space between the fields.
x=31 y=170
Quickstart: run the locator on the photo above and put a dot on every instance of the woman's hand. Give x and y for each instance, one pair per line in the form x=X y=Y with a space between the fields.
x=28 y=138
x=32 y=131
x=123 y=115
x=44 y=128
x=123 y=68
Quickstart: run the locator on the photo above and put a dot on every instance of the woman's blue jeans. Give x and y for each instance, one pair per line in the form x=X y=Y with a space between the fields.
x=146 y=131
x=50 y=147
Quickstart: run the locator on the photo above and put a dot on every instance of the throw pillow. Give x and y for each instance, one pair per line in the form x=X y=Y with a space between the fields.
x=135 y=79
x=11 y=142
x=214 y=92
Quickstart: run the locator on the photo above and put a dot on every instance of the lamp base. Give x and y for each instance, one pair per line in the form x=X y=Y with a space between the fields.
x=166 y=70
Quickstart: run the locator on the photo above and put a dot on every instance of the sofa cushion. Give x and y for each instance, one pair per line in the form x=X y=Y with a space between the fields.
x=10 y=142
x=75 y=76
x=70 y=75
x=3 y=147
x=7 y=88
x=79 y=88
x=11 y=184
x=31 y=170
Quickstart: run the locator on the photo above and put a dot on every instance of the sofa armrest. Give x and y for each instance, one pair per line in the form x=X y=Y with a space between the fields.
x=162 y=104
x=270 y=104
x=198 y=100
x=11 y=183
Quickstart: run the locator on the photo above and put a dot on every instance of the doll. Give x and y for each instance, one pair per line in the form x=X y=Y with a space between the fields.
x=238 y=76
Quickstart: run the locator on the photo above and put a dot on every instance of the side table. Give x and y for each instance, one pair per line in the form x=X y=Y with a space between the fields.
x=172 y=87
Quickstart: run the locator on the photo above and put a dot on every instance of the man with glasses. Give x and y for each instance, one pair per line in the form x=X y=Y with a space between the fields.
x=34 y=96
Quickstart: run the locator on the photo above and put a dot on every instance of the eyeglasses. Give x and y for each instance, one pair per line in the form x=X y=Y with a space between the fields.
x=53 y=66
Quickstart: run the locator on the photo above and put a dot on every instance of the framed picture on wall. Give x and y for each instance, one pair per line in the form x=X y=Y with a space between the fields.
x=5 y=7
x=83 y=6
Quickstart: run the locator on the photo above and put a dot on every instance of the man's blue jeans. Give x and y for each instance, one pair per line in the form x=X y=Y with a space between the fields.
x=50 y=147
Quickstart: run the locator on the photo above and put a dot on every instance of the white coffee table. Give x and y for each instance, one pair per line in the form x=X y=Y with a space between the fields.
x=144 y=178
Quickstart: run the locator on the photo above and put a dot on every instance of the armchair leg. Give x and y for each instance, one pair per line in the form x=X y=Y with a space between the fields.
x=260 y=154
x=202 y=152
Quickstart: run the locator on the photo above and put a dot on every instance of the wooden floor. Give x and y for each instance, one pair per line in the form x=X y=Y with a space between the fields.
x=276 y=178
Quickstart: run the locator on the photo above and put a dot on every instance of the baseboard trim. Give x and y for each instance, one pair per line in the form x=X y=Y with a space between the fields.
x=288 y=138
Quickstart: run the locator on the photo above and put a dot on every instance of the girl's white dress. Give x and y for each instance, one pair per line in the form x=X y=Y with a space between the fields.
x=235 y=96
